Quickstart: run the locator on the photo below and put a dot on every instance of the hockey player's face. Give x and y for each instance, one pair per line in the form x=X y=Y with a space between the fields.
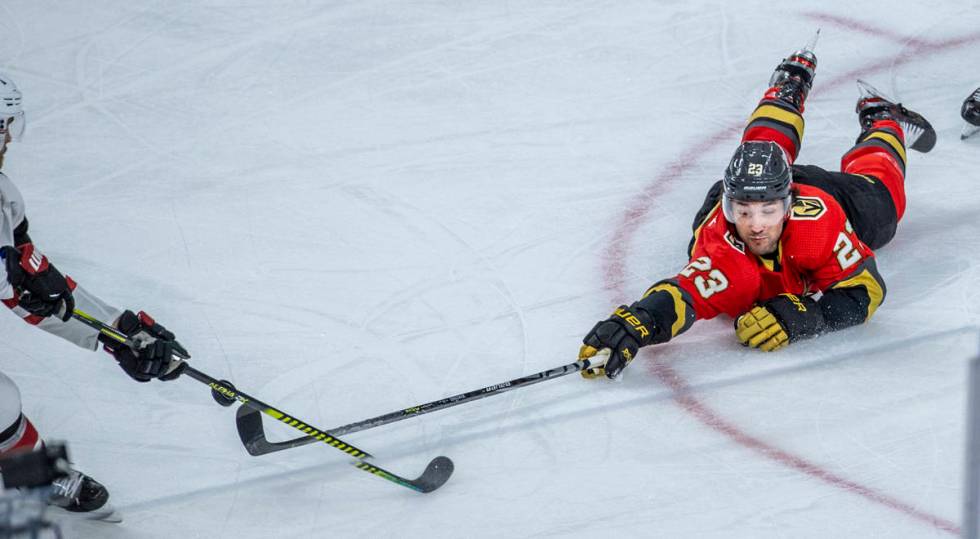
x=759 y=224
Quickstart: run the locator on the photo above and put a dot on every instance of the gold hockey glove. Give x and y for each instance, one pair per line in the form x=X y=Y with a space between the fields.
x=779 y=321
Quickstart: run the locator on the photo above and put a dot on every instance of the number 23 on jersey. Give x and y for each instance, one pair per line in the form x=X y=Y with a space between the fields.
x=847 y=255
x=707 y=285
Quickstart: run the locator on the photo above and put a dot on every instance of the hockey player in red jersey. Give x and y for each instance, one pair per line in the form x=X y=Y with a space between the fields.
x=36 y=290
x=785 y=249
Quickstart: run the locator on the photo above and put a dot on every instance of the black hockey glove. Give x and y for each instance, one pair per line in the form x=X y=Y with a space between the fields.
x=157 y=348
x=793 y=77
x=44 y=291
x=623 y=334
x=779 y=321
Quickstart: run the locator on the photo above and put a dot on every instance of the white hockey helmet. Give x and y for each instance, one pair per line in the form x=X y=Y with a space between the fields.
x=11 y=113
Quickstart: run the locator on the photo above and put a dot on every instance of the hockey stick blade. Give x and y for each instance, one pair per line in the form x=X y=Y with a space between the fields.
x=435 y=475
x=252 y=434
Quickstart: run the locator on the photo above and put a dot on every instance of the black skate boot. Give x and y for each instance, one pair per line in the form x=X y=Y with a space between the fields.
x=793 y=78
x=873 y=106
x=971 y=113
x=79 y=493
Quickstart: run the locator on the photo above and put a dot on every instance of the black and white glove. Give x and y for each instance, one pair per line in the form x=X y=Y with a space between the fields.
x=44 y=291
x=623 y=334
x=158 y=354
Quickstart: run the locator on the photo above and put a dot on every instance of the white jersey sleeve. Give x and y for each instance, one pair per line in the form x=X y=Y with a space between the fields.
x=11 y=216
x=75 y=331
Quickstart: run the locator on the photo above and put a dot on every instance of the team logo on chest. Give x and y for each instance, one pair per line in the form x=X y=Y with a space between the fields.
x=809 y=208
x=734 y=242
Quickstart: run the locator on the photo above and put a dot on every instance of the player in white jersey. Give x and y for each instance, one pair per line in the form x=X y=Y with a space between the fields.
x=40 y=294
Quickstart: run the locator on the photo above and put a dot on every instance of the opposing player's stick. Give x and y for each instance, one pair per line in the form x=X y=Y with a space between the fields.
x=435 y=475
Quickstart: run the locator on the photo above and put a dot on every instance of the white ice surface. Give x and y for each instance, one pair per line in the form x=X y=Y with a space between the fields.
x=347 y=209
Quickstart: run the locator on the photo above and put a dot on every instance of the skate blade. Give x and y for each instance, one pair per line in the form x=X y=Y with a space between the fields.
x=106 y=513
x=968 y=131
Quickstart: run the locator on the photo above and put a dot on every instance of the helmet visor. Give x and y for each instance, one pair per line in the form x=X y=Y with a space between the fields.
x=764 y=212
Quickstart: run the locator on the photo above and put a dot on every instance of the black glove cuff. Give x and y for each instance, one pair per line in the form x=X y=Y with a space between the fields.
x=129 y=323
x=11 y=257
x=801 y=317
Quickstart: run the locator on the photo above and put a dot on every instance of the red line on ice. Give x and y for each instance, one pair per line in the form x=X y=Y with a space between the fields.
x=614 y=271
x=864 y=28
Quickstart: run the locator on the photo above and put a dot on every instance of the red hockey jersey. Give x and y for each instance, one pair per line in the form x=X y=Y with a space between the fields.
x=817 y=250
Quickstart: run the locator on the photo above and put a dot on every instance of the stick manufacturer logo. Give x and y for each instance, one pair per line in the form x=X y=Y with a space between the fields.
x=225 y=391
x=496 y=387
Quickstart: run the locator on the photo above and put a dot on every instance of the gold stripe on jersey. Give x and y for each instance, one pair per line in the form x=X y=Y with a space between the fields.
x=771 y=261
x=769 y=111
x=683 y=319
x=891 y=140
x=871 y=283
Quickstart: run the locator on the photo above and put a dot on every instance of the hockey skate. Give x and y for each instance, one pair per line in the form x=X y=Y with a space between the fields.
x=872 y=106
x=971 y=114
x=83 y=497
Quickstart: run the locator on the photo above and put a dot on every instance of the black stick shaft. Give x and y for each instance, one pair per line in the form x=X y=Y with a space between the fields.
x=462 y=398
x=440 y=404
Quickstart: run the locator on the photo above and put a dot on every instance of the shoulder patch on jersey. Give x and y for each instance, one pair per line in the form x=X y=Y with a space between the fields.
x=734 y=242
x=808 y=208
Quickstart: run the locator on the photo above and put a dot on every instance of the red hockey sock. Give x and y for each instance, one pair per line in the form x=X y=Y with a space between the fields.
x=880 y=152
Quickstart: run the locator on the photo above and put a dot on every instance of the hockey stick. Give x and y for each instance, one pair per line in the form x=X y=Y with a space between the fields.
x=252 y=433
x=436 y=473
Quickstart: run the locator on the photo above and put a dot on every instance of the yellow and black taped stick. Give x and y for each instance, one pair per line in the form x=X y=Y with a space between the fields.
x=435 y=475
